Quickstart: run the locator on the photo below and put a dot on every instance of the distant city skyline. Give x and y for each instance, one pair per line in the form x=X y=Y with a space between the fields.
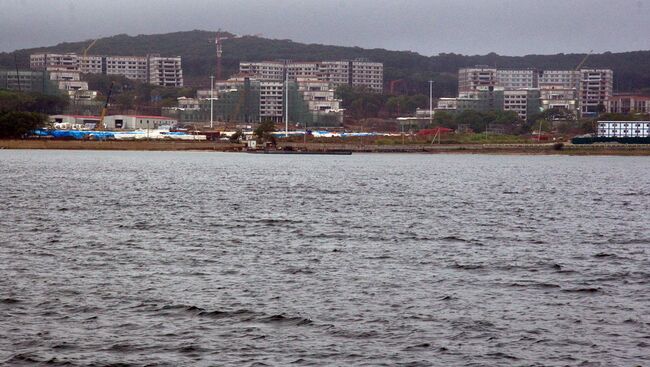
x=429 y=27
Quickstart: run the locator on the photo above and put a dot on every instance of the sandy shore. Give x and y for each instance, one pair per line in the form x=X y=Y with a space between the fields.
x=605 y=149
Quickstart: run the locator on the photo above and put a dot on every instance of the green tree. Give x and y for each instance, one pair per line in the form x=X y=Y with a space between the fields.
x=263 y=131
x=472 y=118
x=445 y=119
x=236 y=137
x=18 y=124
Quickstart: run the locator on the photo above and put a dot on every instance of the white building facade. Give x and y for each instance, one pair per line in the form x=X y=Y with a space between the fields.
x=586 y=91
x=360 y=73
x=165 y=71
x=596 y=88
x=471 y=79
x=624 y=129
x=152 y=69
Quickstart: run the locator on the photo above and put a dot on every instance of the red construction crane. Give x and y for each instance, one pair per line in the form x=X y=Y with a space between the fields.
x=218 y=43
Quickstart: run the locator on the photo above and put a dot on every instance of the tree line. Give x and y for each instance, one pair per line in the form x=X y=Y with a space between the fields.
x=631 y=69
x=21 y=113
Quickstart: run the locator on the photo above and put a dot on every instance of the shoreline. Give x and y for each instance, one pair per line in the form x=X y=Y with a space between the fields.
x=526 y=149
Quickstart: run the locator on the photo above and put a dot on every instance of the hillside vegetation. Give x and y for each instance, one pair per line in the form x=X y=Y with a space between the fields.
x=631 y=69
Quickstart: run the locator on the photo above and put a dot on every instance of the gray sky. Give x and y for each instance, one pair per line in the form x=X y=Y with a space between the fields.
x=508 y=27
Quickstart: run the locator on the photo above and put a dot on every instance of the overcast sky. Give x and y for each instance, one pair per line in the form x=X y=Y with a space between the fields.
x=508 y=27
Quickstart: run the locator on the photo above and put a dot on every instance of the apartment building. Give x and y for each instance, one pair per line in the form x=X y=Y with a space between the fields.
x=516 y=79
x=483 y=99
x=336 y=72
x=27 y=81
x=266 y=70
x=271 y=100
x=367 y=74
x=271 y=94
x=92 y=64
x=318 y=95
x=524 y=102
x=560 y=78
x=471 y=79
x=558 y=96
x=165 y=71
x=595 y=89
x=628 y=104
x=585 y=91
x=302 y=70
x=132 y=67
x=153 y=69
x=54 y=62
x=355 y=72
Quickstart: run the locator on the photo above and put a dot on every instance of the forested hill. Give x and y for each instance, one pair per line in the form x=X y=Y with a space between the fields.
x=631 y=69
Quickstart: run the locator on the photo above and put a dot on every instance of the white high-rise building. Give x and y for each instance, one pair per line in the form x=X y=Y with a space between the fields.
x=271 y=100
x=153 y=69
x=585 y=91
x=558 y=96
x=367 y=74
x=596 y=88
x=471 y=79
x=336 y=72
x=91 y=64
x=165 y=71
x=132 y=67
x=54 y=62
x=318 y=95
x=266 y=70
x=302 y=70
x=516 y=79
x=355 y=73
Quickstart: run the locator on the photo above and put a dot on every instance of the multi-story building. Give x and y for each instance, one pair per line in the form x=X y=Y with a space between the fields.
x=132 y=67
x=558 y=96
x=54 y=62
x=92 y=64
x=626 y=104
x=517 y=79
x=165 y=71
x=585 y=91
x=311 y=102
x=560 y=78
x=355 y=73
x=27 y=81
x=302 y=69
x=447 y=104
x=153 y=69
x=525 y=102
x=336 y=72
x=266 y=70
x=482 y=99
x=595 y=89
x=367 y=74
x=271 y=100
x=471 y=79
x=318 y=107
x=318 y=95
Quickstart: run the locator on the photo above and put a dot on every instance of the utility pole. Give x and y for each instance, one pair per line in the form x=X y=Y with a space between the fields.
x=286 y=104
x=430 y=102
x=211 y=100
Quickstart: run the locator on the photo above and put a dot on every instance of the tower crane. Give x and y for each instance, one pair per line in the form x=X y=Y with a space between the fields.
x=584 y=59
x=100 y=124
x=577 y=75
x=85 y=50
x=218 y=43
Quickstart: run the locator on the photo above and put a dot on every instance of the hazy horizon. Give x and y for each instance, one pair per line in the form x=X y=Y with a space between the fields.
x=506 y=27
